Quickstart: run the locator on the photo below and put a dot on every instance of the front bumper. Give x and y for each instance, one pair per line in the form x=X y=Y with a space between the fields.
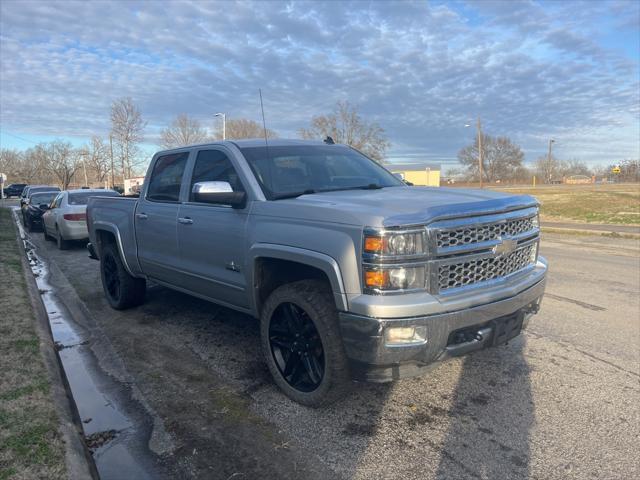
x=448 y=334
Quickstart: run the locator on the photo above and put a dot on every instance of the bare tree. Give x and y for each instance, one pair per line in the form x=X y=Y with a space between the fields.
x=345 y=125
x=11 y=164
x=548 y=169
x=96 y=155
x=184 y=130
x=63 y=162
x=575 y=167
x=237 y=129
x=127 y=126
x=501 y=159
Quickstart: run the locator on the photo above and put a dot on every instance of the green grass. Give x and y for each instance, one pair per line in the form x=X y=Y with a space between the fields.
x=614 y=204
x=30 y=442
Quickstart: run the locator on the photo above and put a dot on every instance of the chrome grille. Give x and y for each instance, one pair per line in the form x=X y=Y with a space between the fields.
x=474 y=271
x=482 y=233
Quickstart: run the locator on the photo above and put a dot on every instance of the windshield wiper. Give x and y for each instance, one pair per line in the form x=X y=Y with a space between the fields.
x=282 y=196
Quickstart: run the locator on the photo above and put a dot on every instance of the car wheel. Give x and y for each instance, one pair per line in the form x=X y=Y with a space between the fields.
x=28 y=224
x=302 y=345
x=62 y=243
x=47 y=237
x=121 y=289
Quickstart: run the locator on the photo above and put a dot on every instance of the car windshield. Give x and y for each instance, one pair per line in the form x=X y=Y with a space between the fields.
x=289 y=171
x=40 y=198
x=82 y=198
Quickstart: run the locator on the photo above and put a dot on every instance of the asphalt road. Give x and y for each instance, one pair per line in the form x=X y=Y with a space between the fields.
x=561 y=401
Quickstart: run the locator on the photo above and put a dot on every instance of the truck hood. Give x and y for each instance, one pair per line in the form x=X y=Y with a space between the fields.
x=394 y=206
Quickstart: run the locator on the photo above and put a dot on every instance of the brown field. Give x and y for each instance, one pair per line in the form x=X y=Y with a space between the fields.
x=606 y=203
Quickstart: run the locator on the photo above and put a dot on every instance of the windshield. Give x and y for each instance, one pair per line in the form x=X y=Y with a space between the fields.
x=40 y=198
x=82 y=198
x=293 y=170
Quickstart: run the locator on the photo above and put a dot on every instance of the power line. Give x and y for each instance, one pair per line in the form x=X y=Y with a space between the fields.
x=19 y=138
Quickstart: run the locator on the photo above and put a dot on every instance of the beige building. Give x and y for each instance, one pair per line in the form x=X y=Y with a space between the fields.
x=417 y=173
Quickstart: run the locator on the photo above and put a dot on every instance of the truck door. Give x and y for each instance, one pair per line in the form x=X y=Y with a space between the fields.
x=211 y=237
x=156 y=218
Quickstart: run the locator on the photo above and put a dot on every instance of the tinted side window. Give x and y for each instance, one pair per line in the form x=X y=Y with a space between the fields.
x=214 y=166
x=166 y=178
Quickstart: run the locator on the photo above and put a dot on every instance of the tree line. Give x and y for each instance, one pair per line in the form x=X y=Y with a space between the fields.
x=503 y=162
x=107 y=160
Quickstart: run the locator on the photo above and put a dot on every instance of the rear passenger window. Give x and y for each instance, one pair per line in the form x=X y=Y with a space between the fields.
x=214 y=166
x=166 y=177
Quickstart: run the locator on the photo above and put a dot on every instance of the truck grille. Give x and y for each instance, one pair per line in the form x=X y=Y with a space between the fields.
x=474 y=271
x=471 y=251
x=467 y=235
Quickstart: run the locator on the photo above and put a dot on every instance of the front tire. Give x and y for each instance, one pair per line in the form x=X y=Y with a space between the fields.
x=121 y=289
x=302 y=344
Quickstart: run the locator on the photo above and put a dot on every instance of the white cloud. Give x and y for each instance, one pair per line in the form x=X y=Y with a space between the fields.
x=422 y=72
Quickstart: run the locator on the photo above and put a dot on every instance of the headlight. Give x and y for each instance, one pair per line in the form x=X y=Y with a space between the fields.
x=394 y=244
x=379 y=278
x=535 y=221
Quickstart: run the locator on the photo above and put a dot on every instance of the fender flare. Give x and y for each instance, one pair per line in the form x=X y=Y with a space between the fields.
x=100 y=225
x=318 y=260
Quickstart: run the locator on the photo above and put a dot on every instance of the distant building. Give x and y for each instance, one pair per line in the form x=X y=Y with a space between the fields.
x=579 y=179
x=133 y=185
x=417 y=173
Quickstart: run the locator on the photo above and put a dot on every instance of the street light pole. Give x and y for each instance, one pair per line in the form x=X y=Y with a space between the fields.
x=224 y=124
x=551 y=141
x=480 y=150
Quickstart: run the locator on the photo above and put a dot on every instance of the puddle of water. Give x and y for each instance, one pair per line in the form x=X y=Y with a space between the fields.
x=97 y=411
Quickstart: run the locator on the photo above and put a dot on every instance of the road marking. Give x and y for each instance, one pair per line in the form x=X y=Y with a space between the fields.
x=588 y=306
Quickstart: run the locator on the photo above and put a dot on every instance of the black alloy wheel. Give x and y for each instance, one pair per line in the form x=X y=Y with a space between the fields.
x=111 y=278
x=296 y=347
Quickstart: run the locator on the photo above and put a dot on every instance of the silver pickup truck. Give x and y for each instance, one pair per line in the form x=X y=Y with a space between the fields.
x=353 y=274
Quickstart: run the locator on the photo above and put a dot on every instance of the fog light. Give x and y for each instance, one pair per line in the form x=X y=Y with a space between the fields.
x=405 y=335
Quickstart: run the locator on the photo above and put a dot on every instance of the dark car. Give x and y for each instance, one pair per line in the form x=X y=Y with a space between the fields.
x=31 y=189
x=38 y=204
x=14 y=190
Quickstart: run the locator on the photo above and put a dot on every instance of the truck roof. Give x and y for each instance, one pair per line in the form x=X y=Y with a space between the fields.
x=250 y=142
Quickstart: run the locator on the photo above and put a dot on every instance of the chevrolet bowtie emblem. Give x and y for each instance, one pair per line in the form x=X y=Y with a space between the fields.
x=505 y=246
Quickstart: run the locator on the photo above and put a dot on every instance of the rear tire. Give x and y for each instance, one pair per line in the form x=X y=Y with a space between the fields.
x=320 y=380
x=121 y=289
x=62 y=243
x=28 y=224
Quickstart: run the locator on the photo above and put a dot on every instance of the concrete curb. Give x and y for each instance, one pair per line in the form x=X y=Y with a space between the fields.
x=584 y=231
x=78 y=460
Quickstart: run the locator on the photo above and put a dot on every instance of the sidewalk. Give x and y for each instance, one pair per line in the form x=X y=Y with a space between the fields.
x=595 y=228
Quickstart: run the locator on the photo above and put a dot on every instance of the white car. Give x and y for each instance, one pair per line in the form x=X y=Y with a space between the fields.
x=66 y=217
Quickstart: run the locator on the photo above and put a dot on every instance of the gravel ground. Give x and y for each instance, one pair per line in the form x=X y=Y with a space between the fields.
x=561 y=401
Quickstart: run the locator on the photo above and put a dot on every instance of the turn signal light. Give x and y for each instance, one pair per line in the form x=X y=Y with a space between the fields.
x=376 y=278
x=373 y=244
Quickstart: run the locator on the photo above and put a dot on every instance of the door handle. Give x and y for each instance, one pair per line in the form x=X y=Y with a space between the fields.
x=142 y=216
x=185 y=220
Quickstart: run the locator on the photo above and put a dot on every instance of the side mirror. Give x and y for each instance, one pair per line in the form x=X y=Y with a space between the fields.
x=44 y=206
x=218 y=193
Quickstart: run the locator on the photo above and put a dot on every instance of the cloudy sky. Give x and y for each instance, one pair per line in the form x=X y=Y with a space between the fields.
x=532 y=70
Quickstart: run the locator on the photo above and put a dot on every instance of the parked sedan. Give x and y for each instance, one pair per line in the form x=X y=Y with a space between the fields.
x=66 y=218
x=32 y=211
x=31 y=189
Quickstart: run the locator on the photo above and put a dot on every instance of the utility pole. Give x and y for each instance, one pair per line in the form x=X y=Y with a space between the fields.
x=84 y=166
x=111 y=148
x=224 y=124
x=480 y=150
x=551 y=141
